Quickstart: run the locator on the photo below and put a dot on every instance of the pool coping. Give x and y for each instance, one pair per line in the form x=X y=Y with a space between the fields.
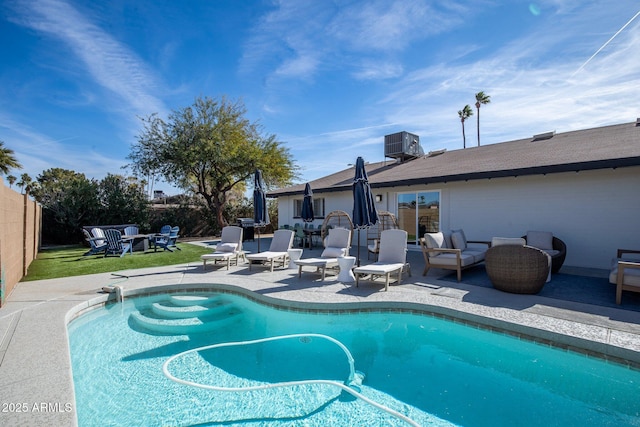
x=37 y=314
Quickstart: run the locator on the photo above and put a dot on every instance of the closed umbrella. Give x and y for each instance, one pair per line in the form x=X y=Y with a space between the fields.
x=307 y=204
x=364 y=210
x=260 y=213
x=307 y=210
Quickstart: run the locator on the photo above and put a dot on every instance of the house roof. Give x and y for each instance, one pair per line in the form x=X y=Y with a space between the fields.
x=598 y=148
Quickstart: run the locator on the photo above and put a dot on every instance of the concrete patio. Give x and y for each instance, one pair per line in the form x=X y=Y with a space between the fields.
x=35 y=369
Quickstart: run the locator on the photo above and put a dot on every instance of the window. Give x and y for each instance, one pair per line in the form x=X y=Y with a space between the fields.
x=318 y=208
x=419 y=213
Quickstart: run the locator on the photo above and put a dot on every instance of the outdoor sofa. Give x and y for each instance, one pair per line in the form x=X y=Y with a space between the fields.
x=451 y=251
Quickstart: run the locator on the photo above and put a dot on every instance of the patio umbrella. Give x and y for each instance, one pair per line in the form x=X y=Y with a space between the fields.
x=364 y=210
x=307 y=204
x=260 y=212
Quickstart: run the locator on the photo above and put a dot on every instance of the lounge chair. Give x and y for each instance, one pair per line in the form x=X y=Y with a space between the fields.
x=168 y=242
x=625 y=272
x=392 y=258
x=115 y=244
x=278 y=250
x=337 y=244
x=229 y=249
x=97 y=244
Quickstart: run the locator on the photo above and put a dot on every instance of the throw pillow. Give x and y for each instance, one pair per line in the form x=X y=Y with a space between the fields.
x=458 y=240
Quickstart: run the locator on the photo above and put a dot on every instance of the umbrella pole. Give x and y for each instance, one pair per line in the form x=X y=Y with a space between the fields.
x=358 y=247
x=258 y=228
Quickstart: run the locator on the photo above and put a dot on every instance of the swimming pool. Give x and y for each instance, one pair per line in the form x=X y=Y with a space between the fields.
x=434 y=371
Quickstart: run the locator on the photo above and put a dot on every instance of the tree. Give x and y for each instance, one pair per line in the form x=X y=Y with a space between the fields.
x=481 y=99
x=69 y=201
x=123 y=201
x=464 y=114
x=25 y=183
x=209 y=149
x=7 y=159
x=12 y=180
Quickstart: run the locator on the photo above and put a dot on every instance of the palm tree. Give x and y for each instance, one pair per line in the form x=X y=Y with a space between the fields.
x=481 y=98
x=12 y=180
x=7 y=159
x=25 y=183
x=464 y=114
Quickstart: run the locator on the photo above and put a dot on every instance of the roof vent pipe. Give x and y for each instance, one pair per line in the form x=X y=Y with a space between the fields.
x=546 y=135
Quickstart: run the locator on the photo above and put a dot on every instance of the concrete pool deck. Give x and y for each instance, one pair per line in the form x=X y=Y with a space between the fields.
x=35 y=370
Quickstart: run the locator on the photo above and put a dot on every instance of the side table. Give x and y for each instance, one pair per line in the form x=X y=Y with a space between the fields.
x=346 y=264
x=294 y=255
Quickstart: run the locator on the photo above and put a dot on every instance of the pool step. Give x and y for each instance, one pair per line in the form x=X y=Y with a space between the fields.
x=168 y=310
x=189 y=300
x=186 y=314
x=190 y=325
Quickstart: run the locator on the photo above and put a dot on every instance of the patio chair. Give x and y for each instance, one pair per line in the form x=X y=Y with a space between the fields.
x=168 y=242
x=115 y=244
x=132 y=230
x=98 y=235
x=625 y=272
x=278 y=250
x=97 y=245
x=449 y=251
x=546 y=241
x=337 y=244
x=392 y=258
x=515 y=268
x=164 y=233
x=229 y=249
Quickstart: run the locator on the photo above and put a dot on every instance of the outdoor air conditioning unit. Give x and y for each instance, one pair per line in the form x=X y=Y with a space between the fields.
x=402 y=146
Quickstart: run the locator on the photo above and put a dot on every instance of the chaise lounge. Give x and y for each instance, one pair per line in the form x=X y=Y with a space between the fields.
x=229 y=249
x=337 y=244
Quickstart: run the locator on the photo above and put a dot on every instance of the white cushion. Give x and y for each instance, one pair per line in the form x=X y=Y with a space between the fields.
x=450 y=259
x=497 y=241
x=540 y=239
x=331 y=252
x=226 y=247
x=458 y=240
x=478 y=255
x=631 y=275
x=435 y=240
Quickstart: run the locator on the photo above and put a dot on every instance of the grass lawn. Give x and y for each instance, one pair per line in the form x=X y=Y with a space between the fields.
x=69 y=261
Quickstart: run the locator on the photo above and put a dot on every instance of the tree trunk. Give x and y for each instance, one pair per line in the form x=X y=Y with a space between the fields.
x=464 y=138
x=478 y=126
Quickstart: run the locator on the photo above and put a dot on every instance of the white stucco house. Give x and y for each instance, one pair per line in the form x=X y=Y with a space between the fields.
x=584 y=186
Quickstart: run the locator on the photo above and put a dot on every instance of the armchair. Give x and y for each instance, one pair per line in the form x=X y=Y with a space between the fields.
x=550 y=244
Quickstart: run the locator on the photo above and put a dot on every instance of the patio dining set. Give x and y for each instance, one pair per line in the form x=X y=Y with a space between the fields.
x=118 y=240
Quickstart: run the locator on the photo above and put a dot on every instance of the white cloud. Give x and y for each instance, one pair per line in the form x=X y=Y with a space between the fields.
x=110 y=63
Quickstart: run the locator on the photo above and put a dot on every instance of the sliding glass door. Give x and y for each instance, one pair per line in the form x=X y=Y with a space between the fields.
x=419 y=213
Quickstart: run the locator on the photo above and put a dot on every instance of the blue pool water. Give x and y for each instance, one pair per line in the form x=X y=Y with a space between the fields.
x=434 y=371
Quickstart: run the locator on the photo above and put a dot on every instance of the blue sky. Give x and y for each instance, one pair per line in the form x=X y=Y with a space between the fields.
x=329 y=78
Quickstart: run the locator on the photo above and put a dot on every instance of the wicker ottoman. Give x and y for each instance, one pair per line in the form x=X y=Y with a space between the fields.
x=517 y=269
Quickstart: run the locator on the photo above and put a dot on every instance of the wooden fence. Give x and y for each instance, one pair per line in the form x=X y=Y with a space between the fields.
x=20 y=233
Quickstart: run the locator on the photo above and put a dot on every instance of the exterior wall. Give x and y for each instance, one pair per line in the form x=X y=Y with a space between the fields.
x=594 y=212
x=20 y=227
